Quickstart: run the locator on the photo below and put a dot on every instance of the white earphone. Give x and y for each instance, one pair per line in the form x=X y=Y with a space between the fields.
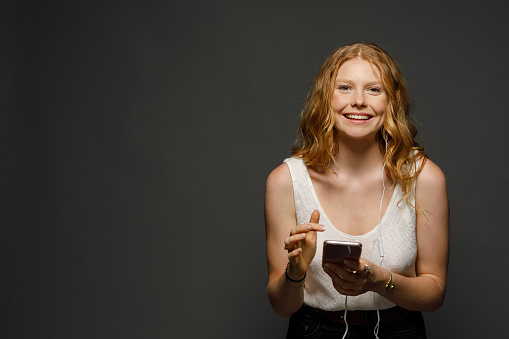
x=380 y=251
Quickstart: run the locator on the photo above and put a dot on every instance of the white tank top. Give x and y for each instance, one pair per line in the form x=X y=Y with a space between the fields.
x=397 y=228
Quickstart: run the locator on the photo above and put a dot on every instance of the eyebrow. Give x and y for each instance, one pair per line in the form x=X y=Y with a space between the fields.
x=350 y=81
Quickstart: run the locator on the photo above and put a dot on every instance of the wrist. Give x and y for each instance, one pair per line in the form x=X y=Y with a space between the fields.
x=388 y=286
x=383 y=278
x=292 y=276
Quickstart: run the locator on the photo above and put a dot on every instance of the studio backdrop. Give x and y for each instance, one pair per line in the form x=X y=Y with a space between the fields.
x=136 y=138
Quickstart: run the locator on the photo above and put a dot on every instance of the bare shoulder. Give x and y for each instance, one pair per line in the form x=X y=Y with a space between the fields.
x=431 y=190
x=279 y=202
x=431 y=176
x=279 y=180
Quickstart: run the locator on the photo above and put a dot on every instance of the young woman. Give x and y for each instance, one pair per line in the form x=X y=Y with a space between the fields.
x=357 y=174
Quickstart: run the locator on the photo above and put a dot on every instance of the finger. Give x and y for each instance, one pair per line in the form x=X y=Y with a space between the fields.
x=311 y=226
x=315 y=217
x=345 y=291
x=308 y=227
x=292 y=256
x=336 y=278
x=345 y=287
x=341 y=272
x=345 y=273
x=353 y=266
x=293 y=241
x=366 y=270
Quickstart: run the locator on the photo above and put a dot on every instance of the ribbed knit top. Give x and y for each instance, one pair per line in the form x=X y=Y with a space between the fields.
x=397 y=229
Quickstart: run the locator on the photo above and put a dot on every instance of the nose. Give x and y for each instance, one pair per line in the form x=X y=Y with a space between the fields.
x=358 y=99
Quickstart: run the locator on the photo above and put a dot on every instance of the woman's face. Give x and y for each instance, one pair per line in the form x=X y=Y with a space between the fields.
x=359 y=100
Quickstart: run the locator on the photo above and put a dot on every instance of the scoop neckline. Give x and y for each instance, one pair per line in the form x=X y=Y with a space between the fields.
x=324 y=215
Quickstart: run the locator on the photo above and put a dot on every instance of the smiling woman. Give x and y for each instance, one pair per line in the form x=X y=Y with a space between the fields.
x=359 y=100
x=357 y=175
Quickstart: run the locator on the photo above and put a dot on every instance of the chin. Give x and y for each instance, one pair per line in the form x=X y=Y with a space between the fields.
x=358 y=137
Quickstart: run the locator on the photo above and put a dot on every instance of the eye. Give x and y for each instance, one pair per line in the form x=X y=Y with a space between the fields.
x=343 y=87
x=375 y=90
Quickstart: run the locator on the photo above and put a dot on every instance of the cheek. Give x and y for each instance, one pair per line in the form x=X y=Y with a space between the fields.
x=381 y=106
x=339 y=102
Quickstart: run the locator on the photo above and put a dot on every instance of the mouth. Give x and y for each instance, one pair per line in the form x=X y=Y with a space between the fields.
x=357 y=116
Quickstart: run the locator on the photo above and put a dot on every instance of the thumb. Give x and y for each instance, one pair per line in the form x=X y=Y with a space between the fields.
x=315 y=217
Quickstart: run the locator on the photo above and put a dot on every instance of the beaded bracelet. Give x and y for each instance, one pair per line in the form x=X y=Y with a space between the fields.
x=389 y=286
x=292 y=280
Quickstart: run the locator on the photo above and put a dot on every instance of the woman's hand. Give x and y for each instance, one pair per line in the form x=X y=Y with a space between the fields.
x=354 y=278
x=301 y=245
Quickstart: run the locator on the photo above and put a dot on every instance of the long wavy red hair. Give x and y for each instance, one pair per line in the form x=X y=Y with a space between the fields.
x=317 y=139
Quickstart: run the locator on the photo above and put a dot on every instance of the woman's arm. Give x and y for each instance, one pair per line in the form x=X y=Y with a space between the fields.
x=426 y=291
x=281 y=227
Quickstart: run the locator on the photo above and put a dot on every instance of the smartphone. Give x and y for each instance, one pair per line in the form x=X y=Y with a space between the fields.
x=335 y=251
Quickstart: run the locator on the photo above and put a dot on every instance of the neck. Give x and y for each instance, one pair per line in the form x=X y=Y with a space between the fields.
x=358 y=157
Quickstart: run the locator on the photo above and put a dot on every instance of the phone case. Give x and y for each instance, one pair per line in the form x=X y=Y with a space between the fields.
x=335 y=251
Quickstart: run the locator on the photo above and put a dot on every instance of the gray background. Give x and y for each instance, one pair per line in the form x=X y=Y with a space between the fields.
x=136 y=138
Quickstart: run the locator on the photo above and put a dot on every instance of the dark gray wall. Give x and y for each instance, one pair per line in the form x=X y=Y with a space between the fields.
x=136 y=138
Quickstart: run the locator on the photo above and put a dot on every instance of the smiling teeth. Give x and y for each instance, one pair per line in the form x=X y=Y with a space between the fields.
x=358 y=117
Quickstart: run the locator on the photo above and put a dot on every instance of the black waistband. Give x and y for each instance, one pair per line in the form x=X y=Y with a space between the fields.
x=359 y=317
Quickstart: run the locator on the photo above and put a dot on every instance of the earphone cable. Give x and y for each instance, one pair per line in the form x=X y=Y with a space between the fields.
x=344 y=317
x=380 y=247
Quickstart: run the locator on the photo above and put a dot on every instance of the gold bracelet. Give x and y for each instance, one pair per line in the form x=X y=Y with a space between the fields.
x=389 y=286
